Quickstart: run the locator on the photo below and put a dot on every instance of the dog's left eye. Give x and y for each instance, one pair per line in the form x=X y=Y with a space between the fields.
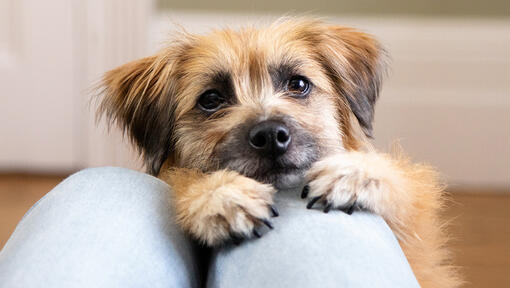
x=299 y=86
x=210 y=101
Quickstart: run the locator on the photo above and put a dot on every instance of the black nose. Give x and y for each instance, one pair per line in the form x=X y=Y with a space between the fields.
x=270 y=137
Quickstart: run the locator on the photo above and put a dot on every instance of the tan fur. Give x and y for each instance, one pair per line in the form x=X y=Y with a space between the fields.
x=213 y=206
x=408 y=196
x=154 y=100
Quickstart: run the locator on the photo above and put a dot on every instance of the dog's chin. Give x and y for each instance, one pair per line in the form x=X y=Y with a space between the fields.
x=281 y=177
x=284 y=172
x=289 y=180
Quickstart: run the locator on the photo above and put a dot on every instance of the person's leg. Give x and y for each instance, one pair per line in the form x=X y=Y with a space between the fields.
x=309 y=248
x=101 y=227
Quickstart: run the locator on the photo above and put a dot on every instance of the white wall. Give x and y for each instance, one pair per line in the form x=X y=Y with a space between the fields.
x=446 y=98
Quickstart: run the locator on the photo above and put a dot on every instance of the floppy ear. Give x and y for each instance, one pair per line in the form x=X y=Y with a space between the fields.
x=356 y=64
x=137 y=97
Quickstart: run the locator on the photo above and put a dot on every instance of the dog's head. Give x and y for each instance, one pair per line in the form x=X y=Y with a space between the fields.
x=264 y=102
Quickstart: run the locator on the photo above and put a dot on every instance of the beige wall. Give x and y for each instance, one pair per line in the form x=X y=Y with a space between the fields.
x=487 y=8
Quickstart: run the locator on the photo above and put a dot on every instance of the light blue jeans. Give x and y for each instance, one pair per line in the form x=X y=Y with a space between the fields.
x=113 y=227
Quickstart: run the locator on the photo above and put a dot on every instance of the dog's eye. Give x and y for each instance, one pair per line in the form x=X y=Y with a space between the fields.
x=299 y=86
x=210 y=101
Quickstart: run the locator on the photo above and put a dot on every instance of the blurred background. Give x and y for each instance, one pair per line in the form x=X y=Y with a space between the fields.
x=446 y=99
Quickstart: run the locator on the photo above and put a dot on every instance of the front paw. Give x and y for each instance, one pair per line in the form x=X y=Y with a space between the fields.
x=342 y=181
x=226 y=206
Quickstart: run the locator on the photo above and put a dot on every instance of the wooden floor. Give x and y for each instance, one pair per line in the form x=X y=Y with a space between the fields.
x=480 y=226
x=17 y=194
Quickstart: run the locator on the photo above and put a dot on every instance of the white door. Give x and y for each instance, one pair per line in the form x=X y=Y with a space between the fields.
x=36 y=85
x=51 y=52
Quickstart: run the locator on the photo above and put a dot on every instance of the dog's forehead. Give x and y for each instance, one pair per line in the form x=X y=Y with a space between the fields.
x=249 y=58
x=243 y=51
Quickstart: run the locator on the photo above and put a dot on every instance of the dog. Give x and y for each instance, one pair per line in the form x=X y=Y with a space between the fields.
x=229 y=117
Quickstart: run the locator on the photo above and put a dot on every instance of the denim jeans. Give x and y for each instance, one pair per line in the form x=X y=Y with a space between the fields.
x=114 y=227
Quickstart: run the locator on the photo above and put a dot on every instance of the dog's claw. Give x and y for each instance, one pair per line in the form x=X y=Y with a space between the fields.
x=312 y=202
x=267 y=223
x=305 y=191
x=328 y=207
x=274 y=211
x=236 y=239
x=348 y=210
x=256 y=233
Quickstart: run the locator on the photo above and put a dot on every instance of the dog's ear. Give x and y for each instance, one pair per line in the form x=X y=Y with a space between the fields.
x=137 y=96
x=356 y=64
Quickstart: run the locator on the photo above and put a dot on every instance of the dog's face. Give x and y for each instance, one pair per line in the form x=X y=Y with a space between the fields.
x=264 y=102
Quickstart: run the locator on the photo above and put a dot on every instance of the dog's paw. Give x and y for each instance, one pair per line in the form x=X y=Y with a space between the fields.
x=226 y=206
x=344 y=181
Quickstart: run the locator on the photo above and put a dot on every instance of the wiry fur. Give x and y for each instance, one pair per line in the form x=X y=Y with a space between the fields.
x=408 y=196
x=215 y=206
x=222 y=189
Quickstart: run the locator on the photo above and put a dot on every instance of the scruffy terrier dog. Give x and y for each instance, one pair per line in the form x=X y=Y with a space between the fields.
x=229 y=117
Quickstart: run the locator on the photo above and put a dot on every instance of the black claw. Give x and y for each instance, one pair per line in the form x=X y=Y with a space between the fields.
x=274 y=211
x=305 y=191
x=314 y=199
x=327 y=208
x=267 y=223
x=256 y=233
x=350 y=209
x=236 y=239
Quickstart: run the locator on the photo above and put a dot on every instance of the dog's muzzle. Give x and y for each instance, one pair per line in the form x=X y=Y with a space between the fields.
x=270 y=138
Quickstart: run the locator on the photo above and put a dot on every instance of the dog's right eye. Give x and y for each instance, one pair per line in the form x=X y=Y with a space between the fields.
x=210 y=101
